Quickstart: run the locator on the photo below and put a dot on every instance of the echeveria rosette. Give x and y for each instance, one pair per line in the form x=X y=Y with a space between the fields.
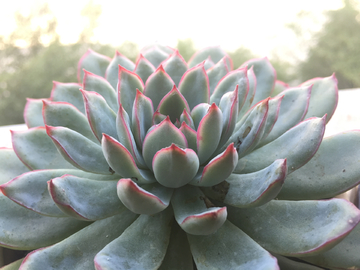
x=154 y=164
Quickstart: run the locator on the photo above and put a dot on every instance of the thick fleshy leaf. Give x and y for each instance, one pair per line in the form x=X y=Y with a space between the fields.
x=79 y=150
x=229 y=249
x=250 y=190
x=127 y=85
x=186 y=117
x=13 y=266
x=178 y=255
x=141 y=117
x=218 y=169
x=144 y=68
x=163 y=135
x=287 y=264
x=175 y=66
x=297 y=145
x=158 y=85
x=216 y=73
x=197 y=215
x=101 y=117
x=148 y=199
x=155 y=55
x=94 y=62
x=209 y=133
x=314 y=226
x=68 y=92
x=265 y=77
x=157 y=118
x=279 y=87
x=80 y=248
x=190 y=136
x=148 y=236
x=37 y=151
x=33 y=113
x=173 y=104
x=26 y=230
x=198 y=113
x=250 y=130
x=234 y=79
x=67 y=115
x=251 y=93
x=84 y=198
x=208 y=63
x=30 y=189
x=112 y=70
x=122 y=162
x=324 y=97
x=331 y=171
x=216 y=54
x=126 y=138
x=194 y=86
x=293 y=108
x=174 y=167
x=345 y=255
x=95 y=83
x=10 y=165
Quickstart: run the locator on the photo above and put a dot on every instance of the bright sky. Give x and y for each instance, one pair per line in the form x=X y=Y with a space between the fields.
x=257 y=24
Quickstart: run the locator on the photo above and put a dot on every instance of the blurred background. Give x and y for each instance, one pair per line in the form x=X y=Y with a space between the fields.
x=41 y=41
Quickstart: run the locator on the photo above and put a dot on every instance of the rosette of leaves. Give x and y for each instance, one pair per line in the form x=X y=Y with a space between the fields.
x=161 y=163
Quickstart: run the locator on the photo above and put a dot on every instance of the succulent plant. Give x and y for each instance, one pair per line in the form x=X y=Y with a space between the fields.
x=161 y=163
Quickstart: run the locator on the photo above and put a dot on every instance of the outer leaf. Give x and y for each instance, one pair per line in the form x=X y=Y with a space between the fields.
x=80 y=248
x=79 y=150
x=127 y=85
x=175 y=66
x=155 y=55
x=297 y=145
x=345 y=255
x=68 y=92
x=144 y=68
x=148 y=199
x=250 y=190
x=95 y=83
x=297 y=228
x=32 y=113
x=208 y=63
x=216 y=73
x=67 y=115
x=26 y=230
x=148 y=236
x=194 y=86
x=10 y=165
x=174 y=167
x=251 y=93
x=279 y=87
x=112 y=71
x=234 y=250
x=325 y=176
x=94 y=62
x=323 y=89
x=37 y=151
x=163 y=135
x=158 y=85
x=85 y=199
x=195 y=213
x=216 y=54
x=265 y=77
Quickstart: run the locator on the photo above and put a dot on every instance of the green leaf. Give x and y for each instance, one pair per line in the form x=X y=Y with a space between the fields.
x=251 y=93
x=68 y=92
x=175 y=66
x=287 y=264
x=81 y=247
x=26 y=230
x=141 y=246
x=144 y=68
x=332 y=170
x=216 y=54
x=174 y=167
x=324 y=97
x=198 y=113
x=195 y=213
x=297 y=228
x=67 y=115
x=112 y=70
x=208 y=63
x=10 y=165
x=186 y=117
x=33 y=113
x=194 y=86
x=216 y=73
x=155 y=55
x=229 y=249
x=79 y=150
x=13 y=266
x=250 y=190
x=190 y=136
x=148 y=199
x=85 y=199
x=37 y=151
x=94 y=62
x=297 y=145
